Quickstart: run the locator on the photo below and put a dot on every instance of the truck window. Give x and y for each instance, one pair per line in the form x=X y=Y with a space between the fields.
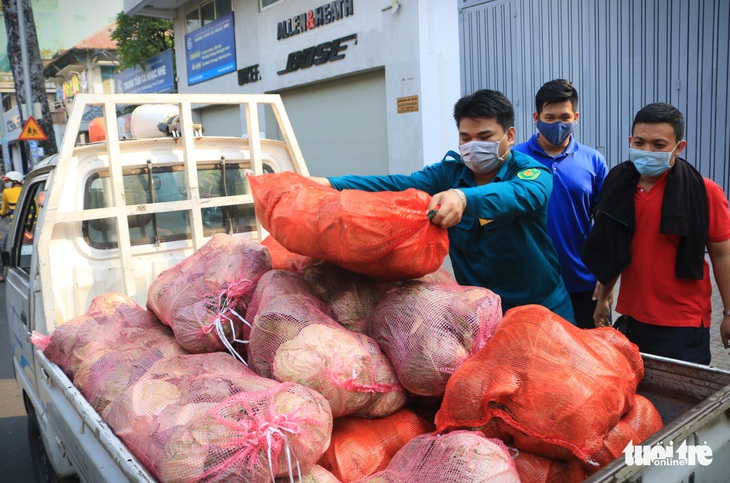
x=167 y=183
x=35 y=194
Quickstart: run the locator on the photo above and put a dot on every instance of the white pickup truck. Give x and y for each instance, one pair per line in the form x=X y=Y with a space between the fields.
x=112 y=215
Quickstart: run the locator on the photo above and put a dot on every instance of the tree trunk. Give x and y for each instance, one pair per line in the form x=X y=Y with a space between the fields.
x=37 y=81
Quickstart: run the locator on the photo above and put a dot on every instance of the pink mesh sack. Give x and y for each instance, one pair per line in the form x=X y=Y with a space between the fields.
x=206 y=417
x=428 y=330
x=203 y=298
x=352 y=297
x=293 y=340
x=103 y=377
x=553 y=388
x=112 y=319
x=316 y=475
x=458 y=457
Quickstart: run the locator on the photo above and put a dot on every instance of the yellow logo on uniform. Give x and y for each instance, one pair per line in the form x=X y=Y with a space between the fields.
x=528 y=174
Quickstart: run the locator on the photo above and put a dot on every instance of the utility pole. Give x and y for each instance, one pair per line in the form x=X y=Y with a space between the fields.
x=25 y=63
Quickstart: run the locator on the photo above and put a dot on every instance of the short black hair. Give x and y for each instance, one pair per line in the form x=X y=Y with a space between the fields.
x=556 y=90
x=485 y=104
x=657 y=112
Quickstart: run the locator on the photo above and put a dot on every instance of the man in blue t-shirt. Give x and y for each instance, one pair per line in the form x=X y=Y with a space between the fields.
x=578 y=174
x=493 y=201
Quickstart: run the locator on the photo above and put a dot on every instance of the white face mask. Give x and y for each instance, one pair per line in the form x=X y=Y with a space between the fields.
x=482 y=157
x=8 y=184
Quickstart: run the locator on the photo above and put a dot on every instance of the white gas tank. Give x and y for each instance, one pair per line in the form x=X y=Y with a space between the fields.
x=152 y=120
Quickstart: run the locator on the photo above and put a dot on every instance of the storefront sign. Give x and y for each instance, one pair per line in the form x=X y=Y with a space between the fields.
x=210 y=51
x=311 y=19
x=318 y=55
x=407 y=104
x=248 y=74
x=153 y=75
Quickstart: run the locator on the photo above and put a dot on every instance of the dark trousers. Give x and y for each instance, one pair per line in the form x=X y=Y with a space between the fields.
x=583 y=308
x=690 y=344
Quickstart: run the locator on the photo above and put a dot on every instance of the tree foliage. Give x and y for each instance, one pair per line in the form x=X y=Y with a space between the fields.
x=139 y=38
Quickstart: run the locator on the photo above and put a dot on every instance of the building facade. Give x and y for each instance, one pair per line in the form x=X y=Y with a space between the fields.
x=369 y=86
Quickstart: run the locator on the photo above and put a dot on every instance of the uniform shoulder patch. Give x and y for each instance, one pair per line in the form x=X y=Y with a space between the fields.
x=528 y=174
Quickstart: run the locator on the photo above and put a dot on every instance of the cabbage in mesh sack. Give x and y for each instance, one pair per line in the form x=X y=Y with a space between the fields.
x=352 y=297
x=555 y=389
x=293 y=340
x=386 y=235
x=457 y=457
x=112 y=319
x=534 y=468
x=206 y=417
x=204 y=297
x=638 y=424
x=428 y=330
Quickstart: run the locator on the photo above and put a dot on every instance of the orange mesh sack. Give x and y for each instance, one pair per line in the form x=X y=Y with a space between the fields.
x=534 y=468
x=360 y=447
x=293 y=340
x=637 y=425
x=556 y=389
x=428 y=330
x=283 y=259
x=203 y=297
x=458 y=457
x=352 y=297
x=207 y=417
x=386 y=235
x=112 y=319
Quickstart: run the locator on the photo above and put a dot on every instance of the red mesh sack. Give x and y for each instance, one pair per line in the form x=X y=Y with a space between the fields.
x=203 y=297
x=386 y=234
x=283 y=259
x=293 y=340
x=207 y=417
x=638 y=424
x=112 y=319
x=534 y=468
x=280 y=282
x=428 y=330
x=457 y=457
x=554 y=388
x=352 y=297
x=360 y=447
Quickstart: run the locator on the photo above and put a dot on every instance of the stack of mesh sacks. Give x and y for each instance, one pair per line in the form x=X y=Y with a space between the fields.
x=564 y=397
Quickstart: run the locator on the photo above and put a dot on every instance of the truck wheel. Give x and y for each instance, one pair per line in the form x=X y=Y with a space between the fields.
x=42 y=467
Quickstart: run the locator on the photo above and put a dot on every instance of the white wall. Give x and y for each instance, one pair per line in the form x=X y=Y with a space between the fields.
x=416 y=45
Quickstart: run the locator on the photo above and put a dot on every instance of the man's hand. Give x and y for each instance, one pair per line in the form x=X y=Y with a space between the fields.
x=602 y=313
x=725 y=331
x=449 y=207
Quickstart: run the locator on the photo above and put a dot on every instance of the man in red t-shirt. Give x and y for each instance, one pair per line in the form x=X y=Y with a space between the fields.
x=655 y=217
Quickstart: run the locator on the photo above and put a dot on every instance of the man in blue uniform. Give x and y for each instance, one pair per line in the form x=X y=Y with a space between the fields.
x=578 y=174
x=493 y=201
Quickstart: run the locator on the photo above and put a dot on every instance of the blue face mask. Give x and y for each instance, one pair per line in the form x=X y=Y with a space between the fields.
x=651 y=163
x=557 y=132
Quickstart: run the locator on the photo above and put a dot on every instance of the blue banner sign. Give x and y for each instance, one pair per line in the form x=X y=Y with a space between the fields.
x=155 y=74
x=210 y=51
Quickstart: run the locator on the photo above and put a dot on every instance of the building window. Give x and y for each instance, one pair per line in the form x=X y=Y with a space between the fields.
x=206 y=13
x=268 y=3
